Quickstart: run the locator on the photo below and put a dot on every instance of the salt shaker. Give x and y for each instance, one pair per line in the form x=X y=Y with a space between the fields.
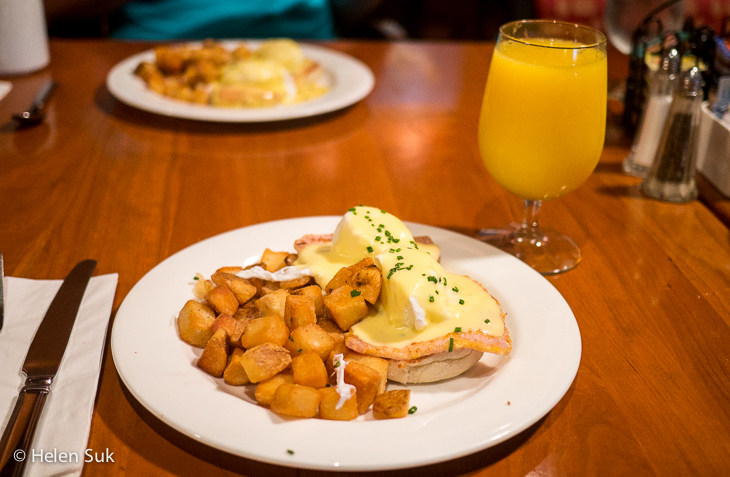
x=672 y=175
x=662 y=84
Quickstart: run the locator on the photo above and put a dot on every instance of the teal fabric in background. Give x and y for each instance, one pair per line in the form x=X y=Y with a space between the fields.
x=197 y=19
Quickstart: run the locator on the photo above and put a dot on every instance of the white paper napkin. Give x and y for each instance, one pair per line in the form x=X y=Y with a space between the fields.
x=66 y=420
x=5 y=87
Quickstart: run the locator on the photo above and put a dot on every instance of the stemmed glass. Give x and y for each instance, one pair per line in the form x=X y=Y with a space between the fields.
x=542 y=127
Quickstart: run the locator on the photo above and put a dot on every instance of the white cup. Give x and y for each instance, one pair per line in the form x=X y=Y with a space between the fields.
x=23 y=37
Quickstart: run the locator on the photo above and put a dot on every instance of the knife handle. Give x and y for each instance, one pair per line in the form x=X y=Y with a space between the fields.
x=21 y=427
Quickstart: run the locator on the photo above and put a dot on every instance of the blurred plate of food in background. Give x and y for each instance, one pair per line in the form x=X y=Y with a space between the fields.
x=240 y=81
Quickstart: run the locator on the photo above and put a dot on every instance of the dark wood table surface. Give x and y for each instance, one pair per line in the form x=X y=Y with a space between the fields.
x=652 y=296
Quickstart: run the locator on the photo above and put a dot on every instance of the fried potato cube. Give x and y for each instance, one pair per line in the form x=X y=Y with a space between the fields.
x=273 y=261
x=241 y=288
x=308 y=370
x=273 y=303
x=368 y=282
x=264 y=361
x=269 y=288
x=367 y=382
x=290 y=259
x=330 y=326
x=232 y=270
x=222 y=299
x=310 y=338
x=328 y=406
x=195 y=323
x=170 y=60
x=380 y=365
x=299 y=311
x=235 y=374
x=364 y=263
x=392 y=404
x=267 y=329
x=315 y=293
x=202 y=286
x=345 y=307
x=295 y=283
x=249 y=310
x=147 y=71
x=215 y=355
x=227 y=322
x=295 y=400
x=239 y=328
x=265 y=389
x=342 y=277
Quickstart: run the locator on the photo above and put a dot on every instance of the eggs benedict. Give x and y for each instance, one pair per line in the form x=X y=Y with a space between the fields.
x=430 y=324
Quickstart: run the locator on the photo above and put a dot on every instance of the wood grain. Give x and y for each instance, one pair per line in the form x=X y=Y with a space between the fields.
x=652 y=296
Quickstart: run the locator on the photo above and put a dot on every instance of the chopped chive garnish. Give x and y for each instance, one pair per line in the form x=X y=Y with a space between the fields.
x=412 y=409
x=409 y=267
x=387 y=232
x=351 y=209
x=432 y=279
x=486 y=321
x=396 y=240
x=290 y=452
x=380 y=229
x=461 y=302
x=451 y=345
x=196 y=278
x=300 y=350
x=355 y=293
x=397 y=250
x=381 y=225
x=456 y=289
x=291 y=339
x=430 y=298
x=445 y=281
x=437 y=292
x=457 y=329
x=377 y=238
x=399 y=257
x=337 y=364
x=370 y=249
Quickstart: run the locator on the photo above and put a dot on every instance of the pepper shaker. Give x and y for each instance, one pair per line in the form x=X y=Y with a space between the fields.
x=672 y=174
x=662 y=84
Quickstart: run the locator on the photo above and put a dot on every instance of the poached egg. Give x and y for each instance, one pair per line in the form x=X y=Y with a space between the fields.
x=419 y=300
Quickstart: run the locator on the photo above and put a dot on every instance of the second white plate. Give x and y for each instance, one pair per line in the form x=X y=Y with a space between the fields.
x=350 y=81
x=479 y=409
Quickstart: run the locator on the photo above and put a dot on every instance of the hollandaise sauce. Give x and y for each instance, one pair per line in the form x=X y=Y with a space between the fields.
x=419 y=300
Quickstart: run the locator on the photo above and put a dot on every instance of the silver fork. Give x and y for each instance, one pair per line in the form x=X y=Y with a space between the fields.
x=2 y=300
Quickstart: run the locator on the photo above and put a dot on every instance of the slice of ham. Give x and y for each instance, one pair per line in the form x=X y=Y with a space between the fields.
x=310 y=239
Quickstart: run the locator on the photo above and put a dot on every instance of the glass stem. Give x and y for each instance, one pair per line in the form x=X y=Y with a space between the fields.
x=529 y=229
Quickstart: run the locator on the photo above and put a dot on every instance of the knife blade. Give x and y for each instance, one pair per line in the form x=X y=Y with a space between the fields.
x=41 y=365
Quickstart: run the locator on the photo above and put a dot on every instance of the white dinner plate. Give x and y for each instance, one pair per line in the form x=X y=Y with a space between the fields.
x=349 y=79
x=479 y=409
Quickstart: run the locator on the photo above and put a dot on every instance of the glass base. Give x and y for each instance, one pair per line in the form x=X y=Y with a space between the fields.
x=547 y=251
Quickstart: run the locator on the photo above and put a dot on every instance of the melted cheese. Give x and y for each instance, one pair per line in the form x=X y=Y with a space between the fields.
x=419 y=300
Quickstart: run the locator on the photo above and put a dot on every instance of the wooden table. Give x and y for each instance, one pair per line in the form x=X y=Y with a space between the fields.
x=128 y=188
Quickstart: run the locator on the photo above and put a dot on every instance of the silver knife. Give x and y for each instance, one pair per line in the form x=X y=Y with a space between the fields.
x=40 y=367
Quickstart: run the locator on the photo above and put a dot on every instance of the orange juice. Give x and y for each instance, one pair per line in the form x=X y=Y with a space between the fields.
x=543 y=117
